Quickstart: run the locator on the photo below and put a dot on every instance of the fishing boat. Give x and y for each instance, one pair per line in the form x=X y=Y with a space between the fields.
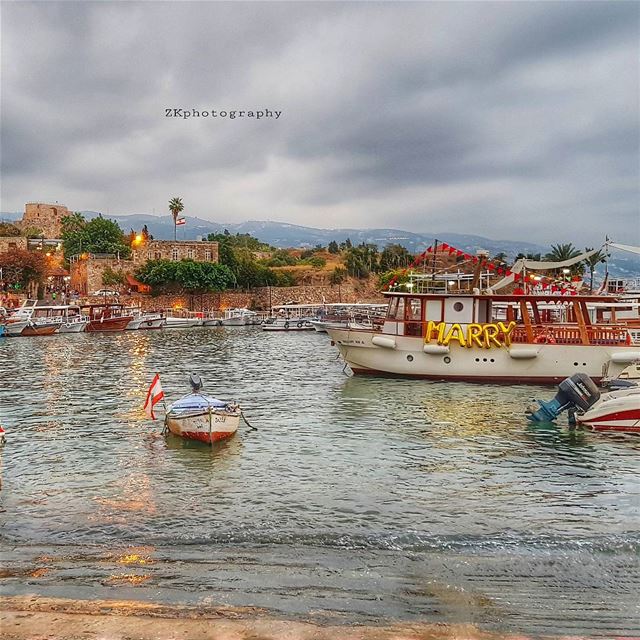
x=68 y=317
x=617 y=410
x=106 y=317
x=14 y=326
x=541 y=339
x=203 y=418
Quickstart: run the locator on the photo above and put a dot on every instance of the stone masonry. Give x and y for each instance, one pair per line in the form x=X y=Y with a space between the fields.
x=202 y=251
x=46 y=217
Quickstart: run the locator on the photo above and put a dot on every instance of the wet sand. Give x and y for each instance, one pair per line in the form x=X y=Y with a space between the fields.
x=37 y=618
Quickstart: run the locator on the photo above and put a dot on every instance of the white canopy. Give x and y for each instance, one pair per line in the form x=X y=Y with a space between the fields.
x=538 y=265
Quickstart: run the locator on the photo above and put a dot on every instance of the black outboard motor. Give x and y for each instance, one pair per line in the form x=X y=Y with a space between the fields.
x=195 y=381
x=579 y=392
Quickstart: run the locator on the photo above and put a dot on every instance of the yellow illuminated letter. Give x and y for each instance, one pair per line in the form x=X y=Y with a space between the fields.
x=435 y=326
x=506 y=330
x=474 y=335
x=490 y=335
x=455 y=333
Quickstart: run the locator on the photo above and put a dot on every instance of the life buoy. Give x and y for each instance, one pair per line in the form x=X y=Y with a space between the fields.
x=543 y=338
x=286 y=324
x=300 y=324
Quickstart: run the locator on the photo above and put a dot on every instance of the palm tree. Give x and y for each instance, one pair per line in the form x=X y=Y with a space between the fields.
x=562 y=252
x=592 y=262
x=175 y=206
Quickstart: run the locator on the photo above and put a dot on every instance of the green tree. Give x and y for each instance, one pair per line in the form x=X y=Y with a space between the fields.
x=186 y=275
x=9 y=230
x=592 y=262
x=99 y=235
x=112 y=278
x=562 y=252
x=394 y=256
x=338 y=275
x=176 y=207
x=32 y=232
x=333 y=247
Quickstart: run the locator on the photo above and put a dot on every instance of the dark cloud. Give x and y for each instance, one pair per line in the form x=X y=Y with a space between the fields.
x=507 y=119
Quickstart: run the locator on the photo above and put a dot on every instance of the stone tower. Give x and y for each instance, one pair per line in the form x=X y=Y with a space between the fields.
x=46 y=217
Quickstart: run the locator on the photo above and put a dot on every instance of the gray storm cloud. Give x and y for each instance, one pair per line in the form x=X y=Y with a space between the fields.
x=513 y=120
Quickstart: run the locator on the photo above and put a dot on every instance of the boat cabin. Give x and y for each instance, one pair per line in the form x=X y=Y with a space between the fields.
x=502 y=319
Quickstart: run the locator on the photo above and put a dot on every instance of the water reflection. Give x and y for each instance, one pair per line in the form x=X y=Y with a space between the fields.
x=346 y=478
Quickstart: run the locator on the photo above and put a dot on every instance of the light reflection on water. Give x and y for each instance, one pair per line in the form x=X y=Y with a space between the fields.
x=371 y=497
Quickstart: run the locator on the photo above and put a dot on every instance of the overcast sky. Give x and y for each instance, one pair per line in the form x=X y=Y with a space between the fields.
x=511 y=120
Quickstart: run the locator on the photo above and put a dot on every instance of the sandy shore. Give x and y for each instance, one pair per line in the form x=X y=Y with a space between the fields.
x=39 y=618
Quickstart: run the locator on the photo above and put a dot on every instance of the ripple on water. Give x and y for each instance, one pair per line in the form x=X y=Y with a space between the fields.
x=409 y=498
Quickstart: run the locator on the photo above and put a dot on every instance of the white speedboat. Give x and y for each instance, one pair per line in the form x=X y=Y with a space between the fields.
x=203 y=418
x=73 y=324
x=176 y=319
x=617 y=410
x=238 y=317
x=288 y=324
x=146 y=321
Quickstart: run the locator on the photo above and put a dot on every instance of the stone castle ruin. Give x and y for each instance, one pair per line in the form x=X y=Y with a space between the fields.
x=45 y=217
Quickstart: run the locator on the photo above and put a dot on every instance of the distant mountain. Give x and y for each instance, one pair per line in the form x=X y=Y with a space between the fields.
x=282 y=235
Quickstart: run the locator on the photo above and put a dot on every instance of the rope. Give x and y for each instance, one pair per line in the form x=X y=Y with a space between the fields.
x=248 y=423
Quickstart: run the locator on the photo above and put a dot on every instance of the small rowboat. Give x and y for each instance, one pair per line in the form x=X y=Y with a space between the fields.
x=203 y=418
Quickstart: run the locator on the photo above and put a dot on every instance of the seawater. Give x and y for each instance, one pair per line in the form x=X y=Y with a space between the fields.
x=357 y=500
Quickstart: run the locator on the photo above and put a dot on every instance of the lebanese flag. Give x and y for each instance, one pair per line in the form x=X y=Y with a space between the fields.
x=154 y=395
x=180 y=221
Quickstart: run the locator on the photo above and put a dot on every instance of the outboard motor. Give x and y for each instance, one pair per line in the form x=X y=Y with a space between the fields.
x=579 y=392
x=195 y=381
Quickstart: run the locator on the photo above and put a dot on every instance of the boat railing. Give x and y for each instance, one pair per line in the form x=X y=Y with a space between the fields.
x=604 y=335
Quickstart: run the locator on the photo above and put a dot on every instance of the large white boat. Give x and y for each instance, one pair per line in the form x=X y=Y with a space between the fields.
x=238 y=317
x=180 y=319
x=444 y=336
x=143 y=321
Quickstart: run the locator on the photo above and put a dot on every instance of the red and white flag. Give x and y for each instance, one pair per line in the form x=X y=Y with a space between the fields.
x=154 y=395
x=180 y=221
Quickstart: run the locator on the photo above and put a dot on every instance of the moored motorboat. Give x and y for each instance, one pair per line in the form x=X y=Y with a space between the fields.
x=617 y=410
x=146 y=321
x=288 y=324
x=238 y=317
x=40 y=328
x=203 y=418
x=106 y=317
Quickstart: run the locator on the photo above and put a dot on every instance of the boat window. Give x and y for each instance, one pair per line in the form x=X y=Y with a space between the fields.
x=400 y=309
x=458 y=306
x=414 y=309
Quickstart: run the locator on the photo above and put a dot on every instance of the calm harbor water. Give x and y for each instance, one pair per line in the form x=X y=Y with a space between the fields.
x=358 y=500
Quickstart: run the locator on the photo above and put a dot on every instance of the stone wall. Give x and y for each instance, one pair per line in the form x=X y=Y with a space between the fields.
x=202 y=251
x=10 y=243
x=46 y=217
x=263 y=298
x=86 y=275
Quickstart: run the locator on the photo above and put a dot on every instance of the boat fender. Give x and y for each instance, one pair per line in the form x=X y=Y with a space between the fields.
x=543 y=338
x=299 y=325
x=387 y=343
x=523 y=352
x=436 y=349
x=286 y=324
x=625 y=358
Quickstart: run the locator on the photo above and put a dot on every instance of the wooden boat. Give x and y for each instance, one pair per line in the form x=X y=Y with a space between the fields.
x=541 y=339
x=203 y=418
x=106 y=317
x=40 y=328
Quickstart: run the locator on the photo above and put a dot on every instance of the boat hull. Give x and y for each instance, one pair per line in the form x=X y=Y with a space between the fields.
x=374 y=353
x=182 y=323
x=290 y=325
x=208 y=427
x=615 y=411
x=108 y=324
x=145 y=324
x=72 y=327
x=15 y=328
x=40 y=330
